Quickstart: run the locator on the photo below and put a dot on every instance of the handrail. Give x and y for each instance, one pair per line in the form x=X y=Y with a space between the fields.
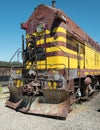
x=18 y=50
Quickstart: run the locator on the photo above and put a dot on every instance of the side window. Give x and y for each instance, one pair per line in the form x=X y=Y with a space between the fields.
x=71 y=43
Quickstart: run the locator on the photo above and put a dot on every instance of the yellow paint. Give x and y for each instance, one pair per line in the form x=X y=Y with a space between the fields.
x=61 y=61
x=55 y=62
x=29 y=44
x=18 y=71
x=86 y=73
x=91 y=73
x=19 y=83
x=57 y=29
x=95 y=72
x=60 y=29
x=54 y=85
x=49 y=84
x=51 y=39
x=73 y=63
x=92 y=58
x=78 y=74
x=52 y=49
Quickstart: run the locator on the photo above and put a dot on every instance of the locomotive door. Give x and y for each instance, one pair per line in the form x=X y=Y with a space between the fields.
x=80 y=56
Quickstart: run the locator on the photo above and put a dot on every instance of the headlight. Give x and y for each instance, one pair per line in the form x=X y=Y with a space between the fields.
x=40 y=28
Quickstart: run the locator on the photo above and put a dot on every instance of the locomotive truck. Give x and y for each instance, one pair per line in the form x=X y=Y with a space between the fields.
x=61 y=65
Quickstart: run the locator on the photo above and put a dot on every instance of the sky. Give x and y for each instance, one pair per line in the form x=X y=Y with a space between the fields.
x=85 y=13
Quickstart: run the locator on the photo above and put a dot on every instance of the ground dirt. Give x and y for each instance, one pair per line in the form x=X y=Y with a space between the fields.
x=83 y=117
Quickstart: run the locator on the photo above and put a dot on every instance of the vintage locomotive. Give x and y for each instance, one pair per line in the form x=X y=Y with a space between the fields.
x=61 y=65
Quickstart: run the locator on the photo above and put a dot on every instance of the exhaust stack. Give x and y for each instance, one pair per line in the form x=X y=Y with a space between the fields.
x=53 y=3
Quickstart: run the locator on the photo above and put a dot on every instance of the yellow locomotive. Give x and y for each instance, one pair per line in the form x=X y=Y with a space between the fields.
x=61 y=64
